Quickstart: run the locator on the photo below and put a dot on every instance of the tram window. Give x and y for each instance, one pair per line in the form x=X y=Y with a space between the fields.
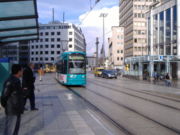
x=64 y=67
x=76 y=67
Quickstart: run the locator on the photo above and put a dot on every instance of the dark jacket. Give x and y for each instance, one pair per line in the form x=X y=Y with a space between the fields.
x=14 y=96
x=28 y=79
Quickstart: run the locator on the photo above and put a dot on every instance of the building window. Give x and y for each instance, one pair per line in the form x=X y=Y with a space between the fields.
x=41 y=46
x=122 y=58
x=41 y=34
x=41 y=40
x=52 y=33
x=135 y=40
x=52 y=39
x=121 y=51
x=58 y=52
x=41 y=58
x=41 y=52
x=32 y=59
x=70 y=39
x=46 y=33
x=52 y=58
x=58 y=33
x=36 y=53
x=52 y=46
x=70 y=46
x=46 y=59
x=37 y=59
x=117 y=51
x=58 y=46
x=46 y=52
x=47 y=46
x=32 y=53
x=58 y=39
x=37 y=46
x=32 y=46
x=46 y=39
x=52 y=52
x=118 y=58
x=70 y=33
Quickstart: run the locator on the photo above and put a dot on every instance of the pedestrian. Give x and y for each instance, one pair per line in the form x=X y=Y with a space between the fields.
x=41 y=73
x=28 y=81
x=167 y=80
x=12 y=101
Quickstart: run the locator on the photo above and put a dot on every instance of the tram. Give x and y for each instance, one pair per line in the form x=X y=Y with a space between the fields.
x=71 y=68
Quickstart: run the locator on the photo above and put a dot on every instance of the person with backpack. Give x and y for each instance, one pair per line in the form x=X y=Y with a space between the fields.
x=12 y=101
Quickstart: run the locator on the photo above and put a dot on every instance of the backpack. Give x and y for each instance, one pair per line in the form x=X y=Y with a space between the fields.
x=4 y=96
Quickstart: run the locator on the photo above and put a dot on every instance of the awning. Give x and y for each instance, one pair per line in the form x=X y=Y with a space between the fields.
x=18 y=20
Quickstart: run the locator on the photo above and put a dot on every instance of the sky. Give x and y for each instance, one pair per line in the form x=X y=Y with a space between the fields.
x=75 y=12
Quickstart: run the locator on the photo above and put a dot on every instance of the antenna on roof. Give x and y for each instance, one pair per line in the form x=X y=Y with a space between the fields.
x=63 y=17
x=53 y=15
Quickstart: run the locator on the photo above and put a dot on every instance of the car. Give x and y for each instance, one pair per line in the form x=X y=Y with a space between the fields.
x=108 y=74
x=98 y=71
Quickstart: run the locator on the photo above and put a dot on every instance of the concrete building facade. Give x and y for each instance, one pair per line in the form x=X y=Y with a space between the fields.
x=54 y=39
x=116 y=48
x=132 y=18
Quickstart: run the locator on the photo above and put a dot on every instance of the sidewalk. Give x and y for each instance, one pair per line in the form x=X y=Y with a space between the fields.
x=174 y=83
x=61 y=113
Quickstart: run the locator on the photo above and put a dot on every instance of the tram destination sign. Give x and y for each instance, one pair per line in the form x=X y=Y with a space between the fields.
x=76 y=57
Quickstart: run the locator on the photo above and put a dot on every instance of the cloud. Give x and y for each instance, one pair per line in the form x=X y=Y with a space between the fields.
x=92 y=26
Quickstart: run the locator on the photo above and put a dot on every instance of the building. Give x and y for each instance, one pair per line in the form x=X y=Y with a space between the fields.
x=163 y=21
x=91 y=61
x=132 y=18
x=17 y=52
x=54 y=39
x=116 y=48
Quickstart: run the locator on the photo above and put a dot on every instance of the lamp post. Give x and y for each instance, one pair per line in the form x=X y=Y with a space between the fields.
x=103 y=15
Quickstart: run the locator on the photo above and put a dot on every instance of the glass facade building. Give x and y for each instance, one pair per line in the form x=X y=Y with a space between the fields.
x=164 y=30
x=163 y=21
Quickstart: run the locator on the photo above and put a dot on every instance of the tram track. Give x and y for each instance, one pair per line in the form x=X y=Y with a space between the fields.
x=118 y=125
x=140 y=91
x=121 y=127
x=107 y=85
x=177 y=131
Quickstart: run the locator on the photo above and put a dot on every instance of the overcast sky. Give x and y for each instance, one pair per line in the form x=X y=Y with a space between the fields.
x=76 y=10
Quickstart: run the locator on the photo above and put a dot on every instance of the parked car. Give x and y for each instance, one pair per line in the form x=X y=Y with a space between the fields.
x=98 y=71
x=109 y=74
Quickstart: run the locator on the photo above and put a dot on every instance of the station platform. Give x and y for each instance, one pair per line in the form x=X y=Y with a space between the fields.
x=61 y=113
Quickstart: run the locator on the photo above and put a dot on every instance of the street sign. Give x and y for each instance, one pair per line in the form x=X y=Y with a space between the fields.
x=161 y=58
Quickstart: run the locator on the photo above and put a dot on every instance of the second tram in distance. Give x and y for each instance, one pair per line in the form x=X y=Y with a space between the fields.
x=71 y=68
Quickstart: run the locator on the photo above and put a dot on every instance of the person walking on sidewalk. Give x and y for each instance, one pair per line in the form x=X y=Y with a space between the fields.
x=41 y=72
x=167 y=80
x=28 y=85
x=12 y=100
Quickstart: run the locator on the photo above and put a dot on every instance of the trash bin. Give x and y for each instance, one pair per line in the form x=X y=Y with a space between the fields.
x=4 y=71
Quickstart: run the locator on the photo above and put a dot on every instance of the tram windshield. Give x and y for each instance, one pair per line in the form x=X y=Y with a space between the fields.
x=77 y=64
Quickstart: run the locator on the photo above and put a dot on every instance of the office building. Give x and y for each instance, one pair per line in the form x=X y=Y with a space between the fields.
x=132 y=18
x=163 y=23
x=55 y=38
x=17 y=52
x=116 y=48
